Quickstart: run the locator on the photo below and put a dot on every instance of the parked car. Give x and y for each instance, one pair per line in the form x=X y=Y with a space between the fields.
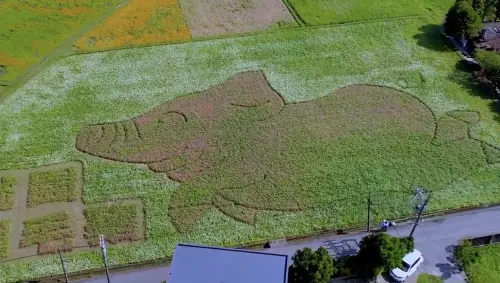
x=411 y=262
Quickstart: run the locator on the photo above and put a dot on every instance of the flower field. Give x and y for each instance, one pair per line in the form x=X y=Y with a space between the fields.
x=29 y=30
x=140 y=22
x=390 y=108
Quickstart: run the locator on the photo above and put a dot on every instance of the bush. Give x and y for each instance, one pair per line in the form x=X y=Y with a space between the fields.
x=309 y=266
x=466 y=253
x=490 y=62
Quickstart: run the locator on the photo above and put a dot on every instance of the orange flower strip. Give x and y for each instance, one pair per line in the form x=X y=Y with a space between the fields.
x=141 y=22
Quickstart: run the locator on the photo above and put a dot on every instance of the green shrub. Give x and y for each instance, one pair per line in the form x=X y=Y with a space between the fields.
x=466 y=253
x=490 y=61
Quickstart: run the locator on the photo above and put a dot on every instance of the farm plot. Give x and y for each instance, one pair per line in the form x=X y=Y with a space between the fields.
x=117 y=105
x=320 y=12
x=29 y=30
x=122 y=222
x=212 y=18
x=140 y=22
x=45 y=212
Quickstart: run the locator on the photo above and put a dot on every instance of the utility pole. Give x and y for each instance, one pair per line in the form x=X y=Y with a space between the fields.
x=63 y=264
x=420 y=211
x=369 y=207
x=104 y=256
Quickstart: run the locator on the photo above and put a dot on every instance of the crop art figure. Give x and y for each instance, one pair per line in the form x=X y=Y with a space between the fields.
x=242 y=150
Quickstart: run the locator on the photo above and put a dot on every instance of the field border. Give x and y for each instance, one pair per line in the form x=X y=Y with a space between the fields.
x=294 y=14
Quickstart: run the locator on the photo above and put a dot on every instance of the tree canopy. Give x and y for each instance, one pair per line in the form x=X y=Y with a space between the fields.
x=311 y=267
x=462 y=20
x=479 y=6
x=382 y=251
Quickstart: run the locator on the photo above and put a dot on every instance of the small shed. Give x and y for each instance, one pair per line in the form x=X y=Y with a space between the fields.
x=203 y=264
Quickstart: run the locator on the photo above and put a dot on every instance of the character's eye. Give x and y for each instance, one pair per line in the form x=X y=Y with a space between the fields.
x=172 y=119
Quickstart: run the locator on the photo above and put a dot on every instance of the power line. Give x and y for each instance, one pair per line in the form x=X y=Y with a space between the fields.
x=102 y=243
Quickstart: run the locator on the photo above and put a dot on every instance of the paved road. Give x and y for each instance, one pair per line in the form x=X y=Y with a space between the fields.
x=434 y=238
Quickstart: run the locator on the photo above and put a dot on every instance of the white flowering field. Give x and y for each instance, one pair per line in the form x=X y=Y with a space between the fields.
x=39 y=123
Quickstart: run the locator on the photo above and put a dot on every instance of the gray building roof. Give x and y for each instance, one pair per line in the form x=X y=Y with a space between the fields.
x=201 y=264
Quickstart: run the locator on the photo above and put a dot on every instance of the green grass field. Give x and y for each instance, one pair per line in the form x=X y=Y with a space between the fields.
x=321 y=12
x=428 y=278
x=41 y=120
x=485 y=265
x=31 y=29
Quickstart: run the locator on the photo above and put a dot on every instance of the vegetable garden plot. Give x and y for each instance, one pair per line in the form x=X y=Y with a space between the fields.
x=44 y=211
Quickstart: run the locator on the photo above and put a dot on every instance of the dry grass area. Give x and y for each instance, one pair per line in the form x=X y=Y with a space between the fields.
x=239 y=148
x=141 y=22
x=7 y=185
x=49 y=232
x=221 y=17
x=5 y=226
x=117 y=222
x=56 y=185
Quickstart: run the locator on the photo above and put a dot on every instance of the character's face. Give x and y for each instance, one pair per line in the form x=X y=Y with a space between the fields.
x=182 y=128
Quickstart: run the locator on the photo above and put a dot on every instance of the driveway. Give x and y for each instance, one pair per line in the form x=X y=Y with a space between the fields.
x=435 y=238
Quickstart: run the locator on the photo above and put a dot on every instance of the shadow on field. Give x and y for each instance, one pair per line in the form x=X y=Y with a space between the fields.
x=464 y=76
x=430 y=37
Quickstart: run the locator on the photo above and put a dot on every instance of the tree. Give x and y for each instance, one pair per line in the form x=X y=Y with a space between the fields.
x=479 y=6
x=490 y=8
x=462 y=21
x=497 y=12
x=311 y=267
x=382 y=251
x=490 y=62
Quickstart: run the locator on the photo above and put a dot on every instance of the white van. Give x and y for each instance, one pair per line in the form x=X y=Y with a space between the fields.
x=411 y=262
